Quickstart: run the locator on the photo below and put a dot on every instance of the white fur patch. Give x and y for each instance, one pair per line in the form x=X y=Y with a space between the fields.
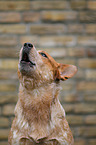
x=15 y=134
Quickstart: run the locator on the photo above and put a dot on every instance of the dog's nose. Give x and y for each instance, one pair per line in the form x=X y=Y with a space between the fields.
x=28 y=45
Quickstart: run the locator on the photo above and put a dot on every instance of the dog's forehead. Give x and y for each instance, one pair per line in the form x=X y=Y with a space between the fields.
x=50 y=58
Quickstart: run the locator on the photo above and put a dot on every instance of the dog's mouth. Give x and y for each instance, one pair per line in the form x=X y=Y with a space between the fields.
x=25 y=60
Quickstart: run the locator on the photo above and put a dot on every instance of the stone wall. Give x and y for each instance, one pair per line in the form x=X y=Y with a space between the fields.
x=66 y=29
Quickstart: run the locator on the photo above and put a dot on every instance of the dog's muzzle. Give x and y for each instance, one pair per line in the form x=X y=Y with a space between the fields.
x=25 y=54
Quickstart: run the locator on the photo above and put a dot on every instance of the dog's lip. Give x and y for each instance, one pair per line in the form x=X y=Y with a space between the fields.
x=29 y=62
x=25 y=59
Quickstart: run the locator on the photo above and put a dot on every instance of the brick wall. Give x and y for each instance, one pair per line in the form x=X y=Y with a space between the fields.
x=66 y=29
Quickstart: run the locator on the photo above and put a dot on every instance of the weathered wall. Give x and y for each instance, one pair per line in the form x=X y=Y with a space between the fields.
x=67 y=30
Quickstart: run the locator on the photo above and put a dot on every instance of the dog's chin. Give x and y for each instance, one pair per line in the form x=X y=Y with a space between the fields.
x=26 y=68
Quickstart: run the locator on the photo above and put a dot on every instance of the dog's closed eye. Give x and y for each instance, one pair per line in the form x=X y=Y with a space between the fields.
x=43 y=54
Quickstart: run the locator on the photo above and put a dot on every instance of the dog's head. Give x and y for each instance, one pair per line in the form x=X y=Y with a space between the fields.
x=40 y=66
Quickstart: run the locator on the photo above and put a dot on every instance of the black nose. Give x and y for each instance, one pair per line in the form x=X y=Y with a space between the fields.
x=28 y=45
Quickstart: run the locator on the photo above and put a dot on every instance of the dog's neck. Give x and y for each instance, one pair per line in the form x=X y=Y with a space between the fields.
x=36 y=103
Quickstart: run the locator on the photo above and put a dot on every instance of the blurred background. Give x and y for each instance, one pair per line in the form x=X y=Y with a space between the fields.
x=66 y=29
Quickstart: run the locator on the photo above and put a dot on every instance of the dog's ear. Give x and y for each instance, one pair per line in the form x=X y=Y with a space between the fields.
x=66 y=71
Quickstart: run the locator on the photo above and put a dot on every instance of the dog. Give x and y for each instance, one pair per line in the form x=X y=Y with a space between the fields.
x=39 y=116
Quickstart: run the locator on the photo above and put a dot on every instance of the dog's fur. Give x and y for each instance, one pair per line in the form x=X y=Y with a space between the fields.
x=39 y=116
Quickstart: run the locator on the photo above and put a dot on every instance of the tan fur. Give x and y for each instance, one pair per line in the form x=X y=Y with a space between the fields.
x=39 y=116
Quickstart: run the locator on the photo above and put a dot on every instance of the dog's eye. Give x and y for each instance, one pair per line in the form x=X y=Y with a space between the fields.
x=43 y=54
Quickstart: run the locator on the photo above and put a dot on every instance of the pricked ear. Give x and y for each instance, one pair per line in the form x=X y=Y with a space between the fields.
x=66 y=71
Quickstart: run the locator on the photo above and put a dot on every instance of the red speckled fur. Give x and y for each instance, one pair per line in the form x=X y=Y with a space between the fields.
x=39 y=116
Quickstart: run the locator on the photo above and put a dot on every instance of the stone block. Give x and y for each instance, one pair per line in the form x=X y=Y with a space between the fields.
x=13 y=29
x=92 y=141
x=90 y=28
x=88 y=16
x=87 y=63
x=0 y=111
x=4 y=134
x=69 y=97
x=86 y=86
x=58 y=16
x=80 y=73
x=75 y=119
x=91 y=52
x=10 y=40
x=47 y=29
x=7 y=87
x=79 y=141
x=85 y=108
x=11 y=17
x=9 y=52
x=78 y=5
x=14 y=5
x=90 y=119
x=75 y=28
x=76 y=52
x=8 y=64
x=66 y=61
x=8 y=75
x=90 y=97
x=3 y=143
x=92 y=5
x=9 y=98
x=67 y=85
x=49 y=5
x=87 y=40
x=4 y=122
x=57 y=41
x=8 y=109
x=31 y=16
x=90 y=74
x=89 y=131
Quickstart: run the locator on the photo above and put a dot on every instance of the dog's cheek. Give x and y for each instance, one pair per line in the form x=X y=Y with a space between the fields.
x=48 y=75
x=45 y=73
